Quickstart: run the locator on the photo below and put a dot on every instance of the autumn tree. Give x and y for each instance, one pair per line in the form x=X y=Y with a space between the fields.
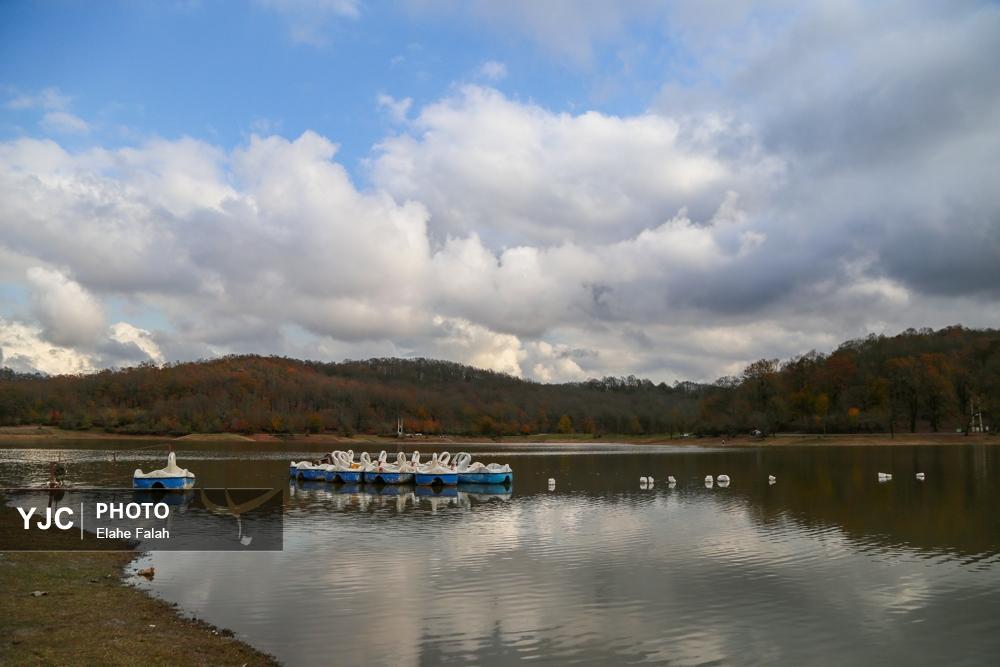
x=565 y=424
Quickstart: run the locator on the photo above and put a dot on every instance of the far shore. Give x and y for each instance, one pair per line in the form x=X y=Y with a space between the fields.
x=22 y=434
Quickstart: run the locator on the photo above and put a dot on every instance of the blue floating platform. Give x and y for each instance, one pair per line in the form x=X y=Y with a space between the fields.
x=485 y=478
x=313 y=474
x=436 y=479
x=388 y=477
x=165 y=483
x=344 y=477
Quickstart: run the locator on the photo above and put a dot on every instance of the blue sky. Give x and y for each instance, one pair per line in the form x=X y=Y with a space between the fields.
x=220 y=71
x=558 y=190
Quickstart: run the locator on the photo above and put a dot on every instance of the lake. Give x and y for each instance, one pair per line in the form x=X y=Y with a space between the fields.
x=826 y=567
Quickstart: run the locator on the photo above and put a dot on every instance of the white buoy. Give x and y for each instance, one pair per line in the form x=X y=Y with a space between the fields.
x=771 y=479
x=643 y=481
x=552 y=483
x=884 y=477
x=671 y=480
x=650 y=478
x=722 y=479
x=709 y=479
x=920 y=476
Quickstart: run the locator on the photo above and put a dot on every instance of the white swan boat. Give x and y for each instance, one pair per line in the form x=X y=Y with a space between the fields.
x=470 y=472
x=170 y=477
x=307 y=470
x=383 y=472
x=436 y=473
x=343 y=469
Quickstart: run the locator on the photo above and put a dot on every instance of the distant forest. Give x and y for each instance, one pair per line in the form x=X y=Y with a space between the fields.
x=917 y=381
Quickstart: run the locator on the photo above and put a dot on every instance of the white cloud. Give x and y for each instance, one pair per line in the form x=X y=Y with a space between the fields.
x=476 y=345
x=56 y=116
x=123 y=332
x=675 y=244
x=64 y=122
x=570 y=29
x=24 y=350
x=308 y=20
x=491 y=70
x=69 y=315
x=397 y=109
x=49 y=99
x=517 y=173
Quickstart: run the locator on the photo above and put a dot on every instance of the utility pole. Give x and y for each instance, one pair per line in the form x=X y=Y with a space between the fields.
x=973 y=413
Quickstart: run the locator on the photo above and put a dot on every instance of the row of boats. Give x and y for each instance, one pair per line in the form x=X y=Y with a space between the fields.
x=442 y=470
x=348 y=468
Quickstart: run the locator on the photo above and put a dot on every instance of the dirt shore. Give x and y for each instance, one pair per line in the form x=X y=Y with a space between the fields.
x=21 y=434
x=89 y=615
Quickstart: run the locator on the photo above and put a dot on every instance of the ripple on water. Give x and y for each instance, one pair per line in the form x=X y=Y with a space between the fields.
x=826 y=563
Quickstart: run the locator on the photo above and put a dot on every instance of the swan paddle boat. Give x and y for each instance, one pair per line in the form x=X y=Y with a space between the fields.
x=343 y=469
x=470 y=472
x=435 y=473
x=308 y=471
x=383 y=472
x=170 y=477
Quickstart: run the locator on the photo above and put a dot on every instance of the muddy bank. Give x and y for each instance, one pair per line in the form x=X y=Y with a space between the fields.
x=89 y=615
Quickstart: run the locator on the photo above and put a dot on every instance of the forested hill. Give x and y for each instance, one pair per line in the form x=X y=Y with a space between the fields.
x=918 y=380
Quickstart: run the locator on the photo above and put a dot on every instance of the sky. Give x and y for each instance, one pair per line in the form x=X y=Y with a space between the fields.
x=557 y=189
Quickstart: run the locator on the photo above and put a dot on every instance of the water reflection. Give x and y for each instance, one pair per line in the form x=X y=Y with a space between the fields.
x=365 y=497
x=824 y=566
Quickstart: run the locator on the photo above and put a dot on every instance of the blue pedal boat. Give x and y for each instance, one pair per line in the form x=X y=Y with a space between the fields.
x=165 y=483
x=313 y=474
x=376 y=477
x=297 y=470
x=486 y=478
x=171 y=477
x=344 y=476
x=436 y=478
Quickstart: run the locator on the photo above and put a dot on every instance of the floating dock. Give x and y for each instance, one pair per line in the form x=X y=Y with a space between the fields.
x=341 y=468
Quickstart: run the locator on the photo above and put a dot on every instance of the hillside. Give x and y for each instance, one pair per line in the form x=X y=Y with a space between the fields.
x=916 y=381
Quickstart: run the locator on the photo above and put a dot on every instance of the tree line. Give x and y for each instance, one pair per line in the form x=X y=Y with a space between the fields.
x=916 y=381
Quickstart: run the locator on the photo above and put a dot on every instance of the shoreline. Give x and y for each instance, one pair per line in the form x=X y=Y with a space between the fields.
x=91 y=614
x=20 y=434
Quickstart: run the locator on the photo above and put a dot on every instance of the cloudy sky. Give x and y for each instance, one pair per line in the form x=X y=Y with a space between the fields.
x=559 y=189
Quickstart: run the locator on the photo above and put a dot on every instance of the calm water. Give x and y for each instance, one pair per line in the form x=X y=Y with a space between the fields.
x=828 y=566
